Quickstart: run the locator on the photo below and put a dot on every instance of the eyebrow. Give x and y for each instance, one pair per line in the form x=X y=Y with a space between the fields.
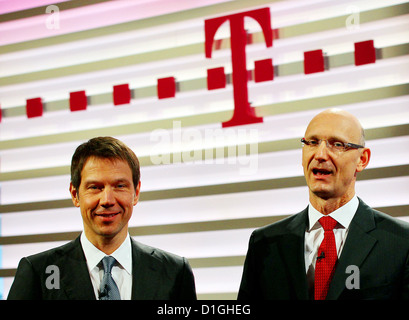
x=329 y=138
x=96 y=181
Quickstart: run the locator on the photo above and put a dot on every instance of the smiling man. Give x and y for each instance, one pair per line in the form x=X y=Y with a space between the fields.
x=104 y=262
x=338 y=247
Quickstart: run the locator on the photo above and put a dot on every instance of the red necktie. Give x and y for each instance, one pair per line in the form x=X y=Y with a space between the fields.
x=326 y=259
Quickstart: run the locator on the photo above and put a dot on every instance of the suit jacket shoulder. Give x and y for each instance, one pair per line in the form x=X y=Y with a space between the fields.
x=274 y=265
x=40 y=259
x=397 y=227
x=160 y=275
x=293 y=223
x=59 y=273
x=159 y=255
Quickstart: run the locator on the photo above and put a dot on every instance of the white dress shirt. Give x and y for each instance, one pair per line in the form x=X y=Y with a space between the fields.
x=315 y=233
x=121 y=271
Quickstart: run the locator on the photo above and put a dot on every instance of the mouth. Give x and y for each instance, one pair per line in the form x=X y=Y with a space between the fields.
x=107 y=215
x=321 y=172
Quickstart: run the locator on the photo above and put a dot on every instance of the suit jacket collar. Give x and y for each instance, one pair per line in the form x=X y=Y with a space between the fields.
x=358 y=245
x=76 y=282
x=293 y=253
x=144 y=266
x=75 y=279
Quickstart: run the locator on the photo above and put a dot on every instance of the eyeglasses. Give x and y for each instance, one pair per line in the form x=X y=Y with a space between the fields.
x=332 y=144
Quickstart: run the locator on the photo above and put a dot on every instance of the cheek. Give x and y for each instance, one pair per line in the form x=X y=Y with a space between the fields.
x=349 y=172
x=349 y=165
x=88 y=202
x=125 y=200
x=305 y=161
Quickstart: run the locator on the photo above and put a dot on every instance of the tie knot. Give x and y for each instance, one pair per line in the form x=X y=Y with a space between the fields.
x=328 y=223
x=108 y=262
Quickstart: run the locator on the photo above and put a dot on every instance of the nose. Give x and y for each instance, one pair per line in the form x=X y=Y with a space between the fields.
x=107 y=198
x=321 y=152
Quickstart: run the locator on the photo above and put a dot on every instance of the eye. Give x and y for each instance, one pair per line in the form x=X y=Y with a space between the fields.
x=338 y=144
x=122 y=185
x=312 y=142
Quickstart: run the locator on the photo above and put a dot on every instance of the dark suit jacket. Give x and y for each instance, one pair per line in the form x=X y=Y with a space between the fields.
x=157 y=275
x=376 y=243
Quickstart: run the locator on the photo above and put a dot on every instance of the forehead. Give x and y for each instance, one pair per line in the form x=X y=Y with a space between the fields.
x=330 y=125
x=104 y=168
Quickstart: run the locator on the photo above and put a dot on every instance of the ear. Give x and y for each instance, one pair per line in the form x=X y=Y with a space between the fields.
x=364 y=159
x=74 y=196
x=137 y=191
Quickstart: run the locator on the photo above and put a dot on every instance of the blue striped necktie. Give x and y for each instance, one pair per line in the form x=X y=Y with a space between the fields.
x=108 y=289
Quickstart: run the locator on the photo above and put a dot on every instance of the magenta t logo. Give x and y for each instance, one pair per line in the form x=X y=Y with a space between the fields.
x=243 y=112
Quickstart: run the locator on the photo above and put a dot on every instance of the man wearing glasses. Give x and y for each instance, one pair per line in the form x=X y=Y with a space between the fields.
x=338 y=247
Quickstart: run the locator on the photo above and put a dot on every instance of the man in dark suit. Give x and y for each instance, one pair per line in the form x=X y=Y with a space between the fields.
x=369 y=250
x=105 y=185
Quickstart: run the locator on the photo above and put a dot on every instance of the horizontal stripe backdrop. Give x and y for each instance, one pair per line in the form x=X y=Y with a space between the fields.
x=204 y=187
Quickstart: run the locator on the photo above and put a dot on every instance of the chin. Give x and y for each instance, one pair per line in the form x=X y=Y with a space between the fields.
x=322 y=193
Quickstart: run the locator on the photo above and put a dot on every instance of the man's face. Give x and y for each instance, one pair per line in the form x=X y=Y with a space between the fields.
x=106 y=197
x=331 y=174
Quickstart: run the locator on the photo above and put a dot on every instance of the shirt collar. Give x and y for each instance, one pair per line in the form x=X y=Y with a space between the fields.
x=342 y=215
x=93 y=255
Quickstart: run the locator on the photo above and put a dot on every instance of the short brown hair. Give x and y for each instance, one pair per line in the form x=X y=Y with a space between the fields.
x=106 y=148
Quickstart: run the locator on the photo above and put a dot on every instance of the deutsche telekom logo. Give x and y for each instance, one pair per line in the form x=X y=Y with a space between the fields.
x=243 y=113
x=263 y=69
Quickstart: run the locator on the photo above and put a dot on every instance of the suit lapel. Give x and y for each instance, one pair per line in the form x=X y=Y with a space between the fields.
x=292 y=248
x=145 y=272
x=357 y=247
x=75 y=279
